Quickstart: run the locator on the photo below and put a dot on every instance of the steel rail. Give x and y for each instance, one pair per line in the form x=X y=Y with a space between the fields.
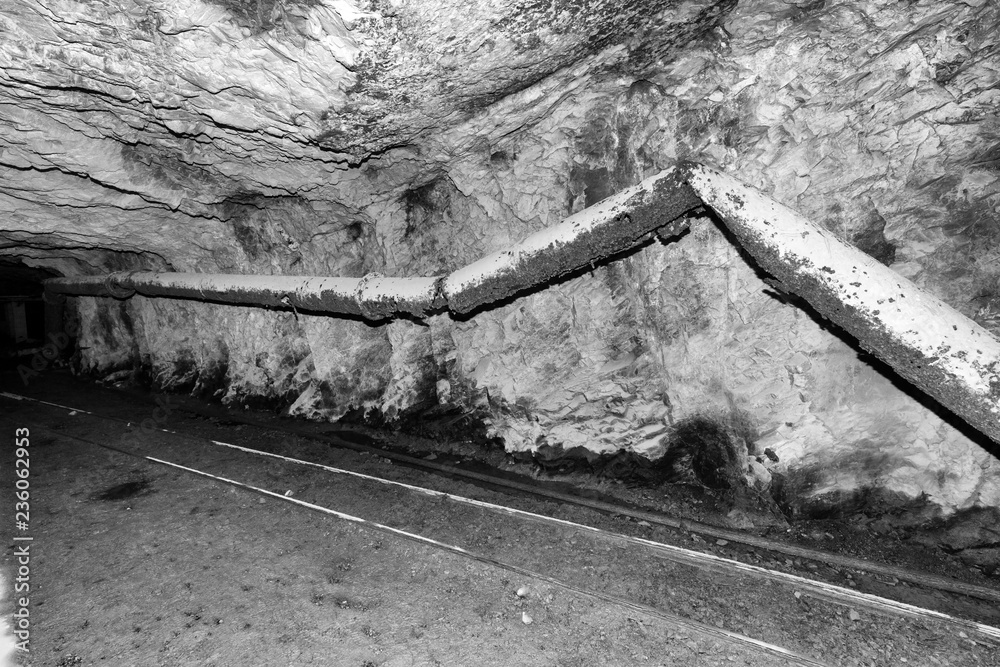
x=924 y=579
x=677 y=554
x=733 y=638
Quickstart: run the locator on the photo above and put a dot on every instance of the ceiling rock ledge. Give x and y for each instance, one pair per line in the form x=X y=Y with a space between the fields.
x=939 y=350
x=215 y=139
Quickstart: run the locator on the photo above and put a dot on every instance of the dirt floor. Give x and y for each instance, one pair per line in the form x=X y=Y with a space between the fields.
x=137 y=563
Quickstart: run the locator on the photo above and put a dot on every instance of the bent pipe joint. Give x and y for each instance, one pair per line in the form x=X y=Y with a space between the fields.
x=944 y=353
x=611 y=226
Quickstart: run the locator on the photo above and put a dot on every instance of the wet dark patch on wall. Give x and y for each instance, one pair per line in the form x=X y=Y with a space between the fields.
x=702 y=28
x=261 y=15
x=250 y=238
x=270 y=229
x=679 y=306
x=239 y=210
x=617 y=276
x=449 y=423
x=424 y=203
x=354 y=231
x=708 y=450
x=329 y=395
x=870 y=501
x=870 y=239
x=185 y=371
x=462 y=418
x=812 y=491
x=212 y=378
x=976 y=222
x=115 y=330
x=988 y=159
x=434 y=212
x=602 y=23
x=109 y=313
x=594 y=184
x=364 y=382
x=482 y=100
x=163 y=164
x=277 y=401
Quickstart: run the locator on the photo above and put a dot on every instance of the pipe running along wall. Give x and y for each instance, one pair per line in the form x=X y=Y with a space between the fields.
x=935 y=347
x=926 y=341
x=609 y=227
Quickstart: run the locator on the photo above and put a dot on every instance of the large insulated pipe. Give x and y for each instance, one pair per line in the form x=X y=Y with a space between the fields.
x=608 y=227
x=929 y=343
x=926 y=341
x=374 y=296
x=611 y=226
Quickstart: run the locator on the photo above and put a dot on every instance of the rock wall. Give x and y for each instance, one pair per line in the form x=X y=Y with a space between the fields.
x=877 y=119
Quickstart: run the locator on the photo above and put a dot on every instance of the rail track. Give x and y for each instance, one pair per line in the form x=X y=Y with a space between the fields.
x=801 y=589
x=923 y=579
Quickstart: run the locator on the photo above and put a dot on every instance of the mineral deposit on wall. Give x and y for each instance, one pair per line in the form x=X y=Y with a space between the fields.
x=336 y=138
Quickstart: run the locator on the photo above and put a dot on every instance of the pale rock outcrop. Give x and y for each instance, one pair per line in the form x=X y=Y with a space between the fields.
x=410 y=138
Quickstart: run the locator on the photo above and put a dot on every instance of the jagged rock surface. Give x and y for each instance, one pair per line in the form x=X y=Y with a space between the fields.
x=336 y=138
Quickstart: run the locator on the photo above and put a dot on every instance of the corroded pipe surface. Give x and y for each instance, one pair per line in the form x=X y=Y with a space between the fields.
x=610 y=226
x=374 y=297
x=929 y=343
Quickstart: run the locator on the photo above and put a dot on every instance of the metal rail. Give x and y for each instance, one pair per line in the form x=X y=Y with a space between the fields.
x=837 y=560
x=727 y=636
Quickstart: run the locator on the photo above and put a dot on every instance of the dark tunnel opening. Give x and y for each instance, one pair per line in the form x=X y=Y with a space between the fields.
x=31 y=325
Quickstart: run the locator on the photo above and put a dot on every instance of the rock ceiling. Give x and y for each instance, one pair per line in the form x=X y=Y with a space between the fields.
x=166 y=129
x=139 y=126
x=410 y=137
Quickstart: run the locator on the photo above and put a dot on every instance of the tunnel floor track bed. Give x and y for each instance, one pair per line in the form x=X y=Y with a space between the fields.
x=689 y=607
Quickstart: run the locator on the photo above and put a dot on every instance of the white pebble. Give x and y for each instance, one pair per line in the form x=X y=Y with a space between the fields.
x=525 y=618
x=522 y=592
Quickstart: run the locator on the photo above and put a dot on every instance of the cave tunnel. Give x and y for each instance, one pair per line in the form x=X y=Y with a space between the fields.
x=416 y=332
x=28 y=319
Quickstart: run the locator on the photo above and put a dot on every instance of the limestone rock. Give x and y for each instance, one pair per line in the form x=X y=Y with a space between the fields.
x=338 y=137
